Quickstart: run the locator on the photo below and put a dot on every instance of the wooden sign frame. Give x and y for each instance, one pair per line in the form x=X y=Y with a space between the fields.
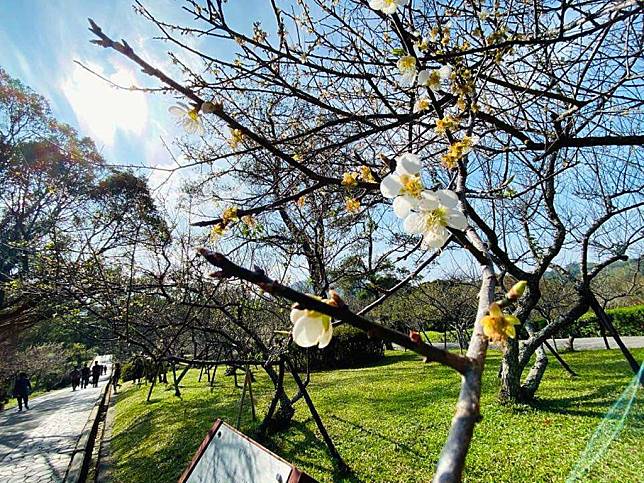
x=295 y=476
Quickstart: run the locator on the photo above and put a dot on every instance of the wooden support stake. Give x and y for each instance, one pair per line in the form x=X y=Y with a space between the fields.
x=156 y=372
x=176 y=382
x=212 y=378
x=559 y=359
x=241 y=402
x=608 y=324
x=271 y=409
x=249 y=376
x=318 y=421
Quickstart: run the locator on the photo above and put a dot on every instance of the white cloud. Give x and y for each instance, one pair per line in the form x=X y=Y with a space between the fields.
x=102 y=110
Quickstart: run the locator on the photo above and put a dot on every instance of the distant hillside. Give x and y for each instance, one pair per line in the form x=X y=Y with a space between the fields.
x=618 y=267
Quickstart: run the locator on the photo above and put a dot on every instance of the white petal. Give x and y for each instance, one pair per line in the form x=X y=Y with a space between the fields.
x=474 y=140
x=429 y=201
x=389 y=9
x=423 y=77
x=325 y=338
x=190 y=126
x=457 y=220
x=447 y=198
x=414 y=224
x=177 y=111
x=444 y=72
x=297 y=314
x=408 y=163
x=376 y=4
x=403 y=205
x=408 y=77
x=390 y=186
x=307 y=331
x=435 y=238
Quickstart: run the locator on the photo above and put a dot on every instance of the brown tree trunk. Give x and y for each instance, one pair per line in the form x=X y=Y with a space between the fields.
x=532 y=382
x=510 y=374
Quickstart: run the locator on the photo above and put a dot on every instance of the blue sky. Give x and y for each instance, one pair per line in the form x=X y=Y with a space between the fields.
x=41 y=39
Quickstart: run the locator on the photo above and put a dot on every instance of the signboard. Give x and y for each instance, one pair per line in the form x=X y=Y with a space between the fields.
x=226 y=455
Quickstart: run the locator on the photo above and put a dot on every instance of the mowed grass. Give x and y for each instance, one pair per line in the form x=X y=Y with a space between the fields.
x=389 y=422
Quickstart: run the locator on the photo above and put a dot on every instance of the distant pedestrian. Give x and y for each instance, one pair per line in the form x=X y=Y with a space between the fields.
x=139 y=369
x=104 y=368
x=21 y=390
x=96 y=373
x=75 y=376
x=85 y=372
x=116 y=375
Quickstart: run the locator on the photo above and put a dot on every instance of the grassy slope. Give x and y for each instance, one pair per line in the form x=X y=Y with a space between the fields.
x=389 y=423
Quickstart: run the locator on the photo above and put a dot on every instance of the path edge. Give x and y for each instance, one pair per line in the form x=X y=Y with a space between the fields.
x=104 y=463
x=82 y=454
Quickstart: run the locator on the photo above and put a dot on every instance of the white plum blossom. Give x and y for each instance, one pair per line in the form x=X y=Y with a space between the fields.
x=404 y=184
x=433 y=78
x=434 y=213
x=188 y=118
x=407 y=67
x=387 y=6
x=422 y=104
x=311 y=328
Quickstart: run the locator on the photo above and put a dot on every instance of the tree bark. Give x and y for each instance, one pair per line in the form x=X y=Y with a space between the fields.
x=532 y=382
x=452 y=458
x=510 y=374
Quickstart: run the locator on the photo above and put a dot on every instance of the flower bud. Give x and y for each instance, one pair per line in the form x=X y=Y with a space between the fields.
x=414 y=336
x=335 y=299
x=517 y=290
x=209 y=107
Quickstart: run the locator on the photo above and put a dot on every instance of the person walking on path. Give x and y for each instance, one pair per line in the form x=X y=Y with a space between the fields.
x=21 y=390
x=76 y=378
x=85 y=372
x=116 y=375
x=96 y=373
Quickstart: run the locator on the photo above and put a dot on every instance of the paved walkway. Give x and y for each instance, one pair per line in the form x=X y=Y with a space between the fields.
x=595 y=343
x=581 y=344
x=37 y=445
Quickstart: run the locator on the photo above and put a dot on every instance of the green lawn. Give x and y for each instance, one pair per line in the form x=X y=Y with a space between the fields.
x=389 y=423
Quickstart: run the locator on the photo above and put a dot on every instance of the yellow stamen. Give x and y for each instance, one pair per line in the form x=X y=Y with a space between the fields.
x=412 y=185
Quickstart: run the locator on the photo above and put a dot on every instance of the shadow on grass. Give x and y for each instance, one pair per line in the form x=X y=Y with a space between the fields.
x=602 y=397
x=298 y=442
x=371 y=432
